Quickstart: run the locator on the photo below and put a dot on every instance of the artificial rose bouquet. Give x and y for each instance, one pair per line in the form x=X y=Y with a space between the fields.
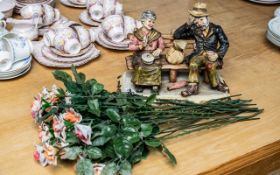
x=113 y=131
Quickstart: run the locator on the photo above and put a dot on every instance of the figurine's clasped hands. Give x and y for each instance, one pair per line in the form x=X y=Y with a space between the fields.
x=157 y=52
x=212 y=56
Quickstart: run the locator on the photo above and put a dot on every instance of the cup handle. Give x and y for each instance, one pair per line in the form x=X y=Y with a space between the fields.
x=3 y=24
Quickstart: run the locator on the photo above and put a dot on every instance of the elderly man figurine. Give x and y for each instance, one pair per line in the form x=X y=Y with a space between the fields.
x=211 y=45
x=147 y=44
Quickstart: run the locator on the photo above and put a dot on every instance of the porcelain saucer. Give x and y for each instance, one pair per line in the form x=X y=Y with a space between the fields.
x=18 y=67
x=16 y=75
x=86 y=19
x=63 y=54
x=69 y=4
x=46 y=51
x=100 y=39
x=37 y=53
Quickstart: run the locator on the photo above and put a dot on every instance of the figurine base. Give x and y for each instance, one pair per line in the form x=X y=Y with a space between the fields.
x=205 y=92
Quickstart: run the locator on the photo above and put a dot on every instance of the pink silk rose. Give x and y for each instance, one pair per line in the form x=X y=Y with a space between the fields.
x=83 y=132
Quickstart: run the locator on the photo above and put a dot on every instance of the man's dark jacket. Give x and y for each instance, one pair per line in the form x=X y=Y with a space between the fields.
x=216 y=40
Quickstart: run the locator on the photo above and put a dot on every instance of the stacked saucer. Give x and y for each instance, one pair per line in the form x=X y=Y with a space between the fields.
x=277 y=12
x=15 y=56
x=98 y=10
x=21 y=3
x=266 y=1
x=64 y=47
x=113 y=31
x=273 y=31
x=74 y=3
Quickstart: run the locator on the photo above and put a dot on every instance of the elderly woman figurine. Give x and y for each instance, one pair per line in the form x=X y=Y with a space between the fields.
x=211 y=46
x=147 y=44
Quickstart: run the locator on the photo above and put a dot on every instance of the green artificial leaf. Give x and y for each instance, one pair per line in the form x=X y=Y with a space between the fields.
x=153 y=143
x=129 y=121
x=113 y=115
x=146 y=130
x=139 y=154
x=84 y=167
x=93 y=152
x=68 y=124
x=171 y=157
x=71 y=138
x=121 y=99
x=72 y=87
x=108 y=150
x=136 y=156
x=72 y=153
x=97 y=88
x=132 y=137
x=94 y=107
x=156 y=129
x=48 y=114
x=61 y=92
x=108 y=130
x=61 y=76
x=125 y=168
x=100 y=141
x=151 y=99
x=110 y=169
x=129 y=129
x=45 y=104
x=79 y=77
x=122 y=147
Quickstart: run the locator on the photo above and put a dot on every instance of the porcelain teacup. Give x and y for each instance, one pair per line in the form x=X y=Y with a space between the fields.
x=56 y=34
x=3 y=29
x=112 y=7
x=63 y=39
x=30 y=10
x=113 y=27
x=49 y=14
x=96 y=11
x=21 y=48
x=129 y=24
x=67 y=45
x=6 y=61
x=83 y=35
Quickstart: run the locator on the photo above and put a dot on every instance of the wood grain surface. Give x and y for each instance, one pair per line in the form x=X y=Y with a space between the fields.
x=251 y=67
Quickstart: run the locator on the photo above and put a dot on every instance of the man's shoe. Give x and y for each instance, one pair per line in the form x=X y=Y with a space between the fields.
x=192 y=89
x=223 y=87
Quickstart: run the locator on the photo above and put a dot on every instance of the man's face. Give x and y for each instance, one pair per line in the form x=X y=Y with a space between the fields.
x=149 y=23
x=201 y=22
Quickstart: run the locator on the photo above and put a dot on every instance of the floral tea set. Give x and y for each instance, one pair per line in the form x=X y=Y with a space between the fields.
x=15 y=54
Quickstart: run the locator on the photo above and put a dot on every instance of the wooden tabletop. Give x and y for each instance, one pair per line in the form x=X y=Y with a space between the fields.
x=251 y=67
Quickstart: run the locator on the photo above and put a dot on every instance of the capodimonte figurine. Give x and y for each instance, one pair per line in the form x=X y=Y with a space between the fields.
x=148 y=45
x=211 y=45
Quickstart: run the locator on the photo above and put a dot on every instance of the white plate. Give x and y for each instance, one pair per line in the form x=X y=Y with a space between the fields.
x=265 y=2
x=86 y=19
x=100 y=42
x=82 y=52
x=274 y=26
x=274 y=35
x=69 y=4
x=18 y=67
x=17 y=75
x=37 y=53
x=107 y=44
x=272 y=39
x=47 y=53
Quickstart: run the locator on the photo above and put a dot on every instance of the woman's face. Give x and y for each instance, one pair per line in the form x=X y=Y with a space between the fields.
x=149 y=23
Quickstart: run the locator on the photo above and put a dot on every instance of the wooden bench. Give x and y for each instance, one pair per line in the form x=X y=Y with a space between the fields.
x=172 y=68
